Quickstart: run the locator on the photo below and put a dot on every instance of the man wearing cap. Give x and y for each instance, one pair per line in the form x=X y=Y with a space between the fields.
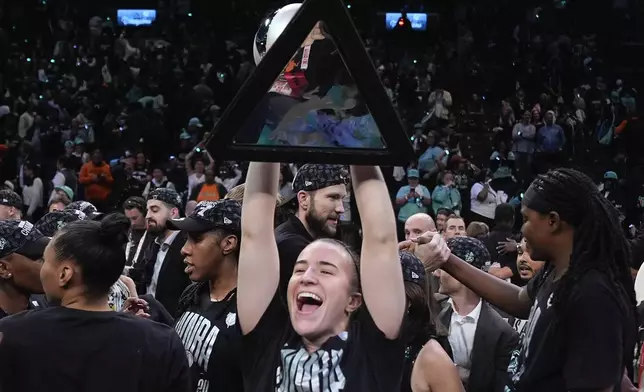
x=319 y=190
x=481 y=340
x=158 y=267
x=412 y=198
x=21 y=251
x=10 y=205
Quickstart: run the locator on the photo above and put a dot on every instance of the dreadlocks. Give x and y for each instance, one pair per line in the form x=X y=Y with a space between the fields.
x=599 y=242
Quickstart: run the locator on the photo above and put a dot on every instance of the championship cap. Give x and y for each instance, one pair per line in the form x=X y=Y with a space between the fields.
x=23 y=238
x=312 y=177
x=470 y=250
x=85 y=207
x=54 y=221
x=10 y=198
x=210 y=215
x=412 y=268
x=166 y=195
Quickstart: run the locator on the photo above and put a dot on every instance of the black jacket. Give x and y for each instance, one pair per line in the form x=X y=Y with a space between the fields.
x=494 y=341
x=172 y=278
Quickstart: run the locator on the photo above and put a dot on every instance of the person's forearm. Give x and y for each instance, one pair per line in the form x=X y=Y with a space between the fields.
x=494 y=290
x=371 y=195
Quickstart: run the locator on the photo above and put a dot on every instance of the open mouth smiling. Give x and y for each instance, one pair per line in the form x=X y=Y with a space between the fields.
x=308 y=303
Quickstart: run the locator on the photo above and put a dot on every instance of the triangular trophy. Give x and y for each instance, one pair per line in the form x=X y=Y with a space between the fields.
x=315 y=97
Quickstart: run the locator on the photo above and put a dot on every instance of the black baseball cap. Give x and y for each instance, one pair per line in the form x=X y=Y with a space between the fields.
x=23 y=238
x=10 y=198
x=168 y=196
x=54 y=221
x=86 y=208
x=470 y=250
x=413 y=269
x=210 y=215
x=314 y=176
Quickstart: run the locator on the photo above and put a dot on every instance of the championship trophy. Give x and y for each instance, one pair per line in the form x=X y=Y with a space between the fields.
x=315 y=96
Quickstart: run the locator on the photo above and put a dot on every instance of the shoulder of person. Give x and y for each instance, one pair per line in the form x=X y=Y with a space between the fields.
x=591 y=285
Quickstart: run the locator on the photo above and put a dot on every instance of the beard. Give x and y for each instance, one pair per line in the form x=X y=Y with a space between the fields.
x=154 y=229
x=319 y=224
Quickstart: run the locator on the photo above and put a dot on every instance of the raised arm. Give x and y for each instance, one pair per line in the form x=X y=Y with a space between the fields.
x=259 y=266
x=380 y=272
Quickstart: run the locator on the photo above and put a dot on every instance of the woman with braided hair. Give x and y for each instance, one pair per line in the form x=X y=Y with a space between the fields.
x=580 y=307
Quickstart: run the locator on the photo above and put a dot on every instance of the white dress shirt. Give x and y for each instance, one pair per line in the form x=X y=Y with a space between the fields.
x=461 y=338
x=163 y=251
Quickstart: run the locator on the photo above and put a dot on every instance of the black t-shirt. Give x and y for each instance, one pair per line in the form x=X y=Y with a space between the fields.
x=212 y=343
x=587 y=348
x=359 y=360
x=506 y=260
x=35 y=302
x=291 y=237
x=62 y=349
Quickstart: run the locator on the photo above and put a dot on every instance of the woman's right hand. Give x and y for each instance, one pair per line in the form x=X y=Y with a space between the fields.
x=430 y=248
x=137 y=307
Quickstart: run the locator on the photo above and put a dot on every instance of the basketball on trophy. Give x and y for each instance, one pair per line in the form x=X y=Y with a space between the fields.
x=271 y=28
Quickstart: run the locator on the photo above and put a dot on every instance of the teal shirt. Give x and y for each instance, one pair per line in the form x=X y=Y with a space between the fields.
x=412 y=206
x=446 y=197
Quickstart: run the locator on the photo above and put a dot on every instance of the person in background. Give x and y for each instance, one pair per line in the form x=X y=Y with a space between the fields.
x=454 y=227
x=20 y=261
x=196 y=172
x=412 y=198
x=229 y=176
x=528 y=269
x=73 y=162
x=502 y=245
x=81 y=263
x=481 y=340
x=523 y=146
x=158 y=268
x=97 y=178
x=159 y=180
x=10 y=205
x=65 y=177
x=502 y=168
x=319 y=193
x=612 y=191
x=441 y=218
x=32 y=193
x=64 y=193
x=478 y=230
x=57 y=204
x=418 y=224
x=79 y=151
x=135 y=210
x=484 y=199
x=209 y=190
x=445 y=194
x=428 y=362
x=433 y=160
x=211 y=257
x=551 y=141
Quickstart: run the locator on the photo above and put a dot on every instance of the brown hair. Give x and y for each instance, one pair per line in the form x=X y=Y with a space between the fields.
x=477 y=229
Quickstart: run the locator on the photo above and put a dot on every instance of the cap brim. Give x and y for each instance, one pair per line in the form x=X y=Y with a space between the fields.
x=189 y=224
x=34 y=250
